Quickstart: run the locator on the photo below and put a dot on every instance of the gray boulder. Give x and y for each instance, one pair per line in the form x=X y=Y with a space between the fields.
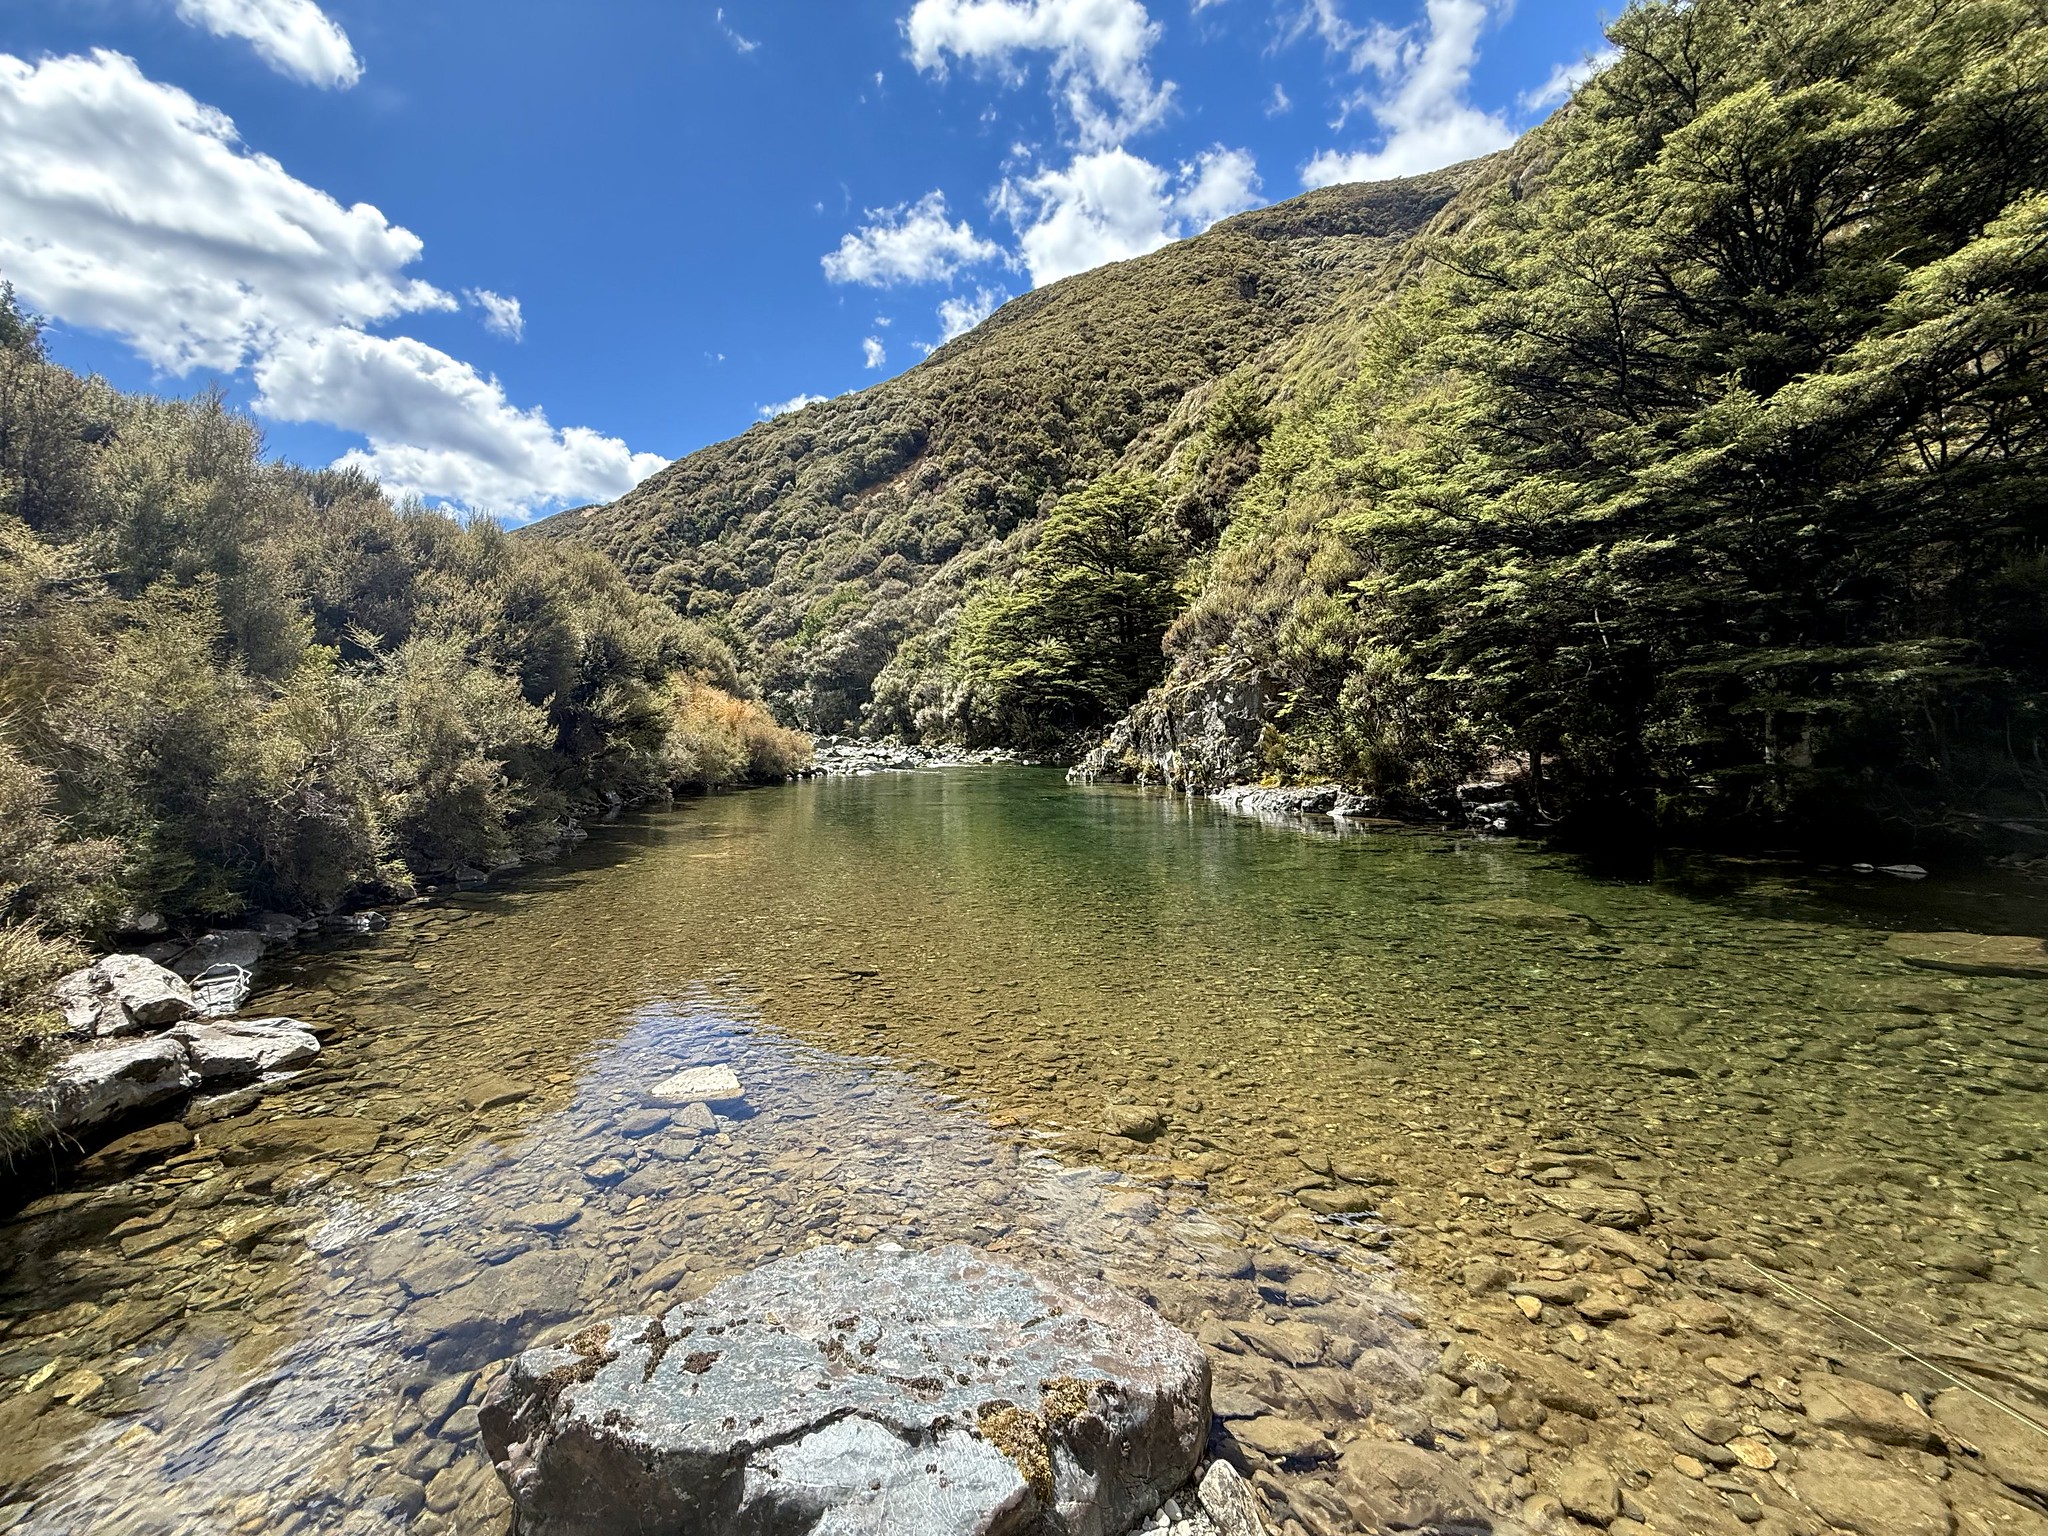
x=857 y=1392
x=243 y=1048
x=122 y=995
x=219 y=966
x=114 y=1080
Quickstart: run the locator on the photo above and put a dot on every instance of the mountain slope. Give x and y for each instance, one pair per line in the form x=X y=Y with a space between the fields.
x=829 y=537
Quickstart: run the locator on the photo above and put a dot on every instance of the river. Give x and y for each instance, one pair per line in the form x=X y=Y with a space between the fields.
x=1712 y=1131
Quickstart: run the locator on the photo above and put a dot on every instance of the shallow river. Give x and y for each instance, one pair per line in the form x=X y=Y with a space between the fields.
x=1712 y=1133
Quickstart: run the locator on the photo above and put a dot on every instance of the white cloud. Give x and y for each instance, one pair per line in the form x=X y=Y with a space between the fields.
x=502 y=315
x=438 y=428
x=128 y=207
x=1111 y=205
x=1279 y=102
x=875 y=355
x=1564 y=79
x=740 y=45
x=961 y=314
x=294 y=37
x=794 y=403
x=1424 y=119
x=1098 y=54
x=910 y=243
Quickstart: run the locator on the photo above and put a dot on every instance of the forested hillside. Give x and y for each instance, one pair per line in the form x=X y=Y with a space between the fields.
x=228 y=684
x=1682 y=464
x=837 y=543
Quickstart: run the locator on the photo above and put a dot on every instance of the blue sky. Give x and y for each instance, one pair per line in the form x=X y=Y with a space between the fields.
x=513 y=255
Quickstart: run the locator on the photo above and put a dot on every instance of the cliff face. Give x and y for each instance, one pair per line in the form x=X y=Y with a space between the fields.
x=836 y=536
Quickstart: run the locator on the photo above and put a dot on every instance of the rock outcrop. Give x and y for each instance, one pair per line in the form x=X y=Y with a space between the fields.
x=858 y=1390
x=1198 y=733
x=114 y=1081
x=122 y=995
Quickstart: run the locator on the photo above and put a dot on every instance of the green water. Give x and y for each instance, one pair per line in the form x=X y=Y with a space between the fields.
x=932 y=985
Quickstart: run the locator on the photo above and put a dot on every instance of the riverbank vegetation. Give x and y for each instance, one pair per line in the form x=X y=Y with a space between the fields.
x=1683 y=463
x=228 y=684
x=1703 y=473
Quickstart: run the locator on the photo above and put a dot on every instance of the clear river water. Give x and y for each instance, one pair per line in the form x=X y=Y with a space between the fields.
x=1651 y=1156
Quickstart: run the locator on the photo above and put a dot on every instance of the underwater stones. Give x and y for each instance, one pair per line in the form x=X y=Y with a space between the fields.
x=242 y=1048
x=494 y=1090
x=716 y=1084
x=1598 y=1205
x=1589 y=1491
x=113 y=1080
x=1133 y=1122
x=1973 y=954
x=122 y=995
x=1520 y=912
x=138 y=1149
x=1858 y=1408
x=340 y=1136
x=1868 y=1496
x=1400 y=1487
x=2009 y=1450
x=854 y=1391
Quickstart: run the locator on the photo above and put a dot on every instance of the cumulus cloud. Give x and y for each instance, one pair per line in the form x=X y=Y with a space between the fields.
x=1420 y=104
x=1097 y=48
x=1112 y=205
x=961 y=314
x=794 y=403
x=128 y=207
x=294 y=37
x=910 y=243
x=1564 y=79
x=873 y=353
x=439 y=429
x=502 y=315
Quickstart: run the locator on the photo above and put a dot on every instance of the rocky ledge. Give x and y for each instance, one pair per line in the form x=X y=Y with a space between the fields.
x=848 y=1391
x=139 y=1035
x=833 y=755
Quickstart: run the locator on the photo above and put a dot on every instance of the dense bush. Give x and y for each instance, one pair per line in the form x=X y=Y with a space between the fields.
x=1703 y=476
x=715 y=739
x=227 y=683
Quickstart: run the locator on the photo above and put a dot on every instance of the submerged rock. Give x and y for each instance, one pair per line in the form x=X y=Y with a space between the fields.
x=1973 y=954
x=850 y=1390
x=122 y=995
x=717 y=1084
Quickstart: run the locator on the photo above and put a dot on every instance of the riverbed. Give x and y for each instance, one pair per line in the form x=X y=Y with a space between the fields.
x=1429 y=1138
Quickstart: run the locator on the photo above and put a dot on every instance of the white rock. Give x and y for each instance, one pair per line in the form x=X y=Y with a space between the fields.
x=1228 y=1502
x=113 y=1080
x=227 y=1048
x=122 y=995
x=698 y=1085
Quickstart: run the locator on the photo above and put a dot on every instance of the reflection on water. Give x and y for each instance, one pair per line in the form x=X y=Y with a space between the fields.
x=1343 y=1055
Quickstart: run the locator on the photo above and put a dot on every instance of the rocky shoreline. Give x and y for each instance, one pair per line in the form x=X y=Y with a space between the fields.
x=833 y=756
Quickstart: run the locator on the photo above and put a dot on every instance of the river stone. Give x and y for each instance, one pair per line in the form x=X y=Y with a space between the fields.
x=1973 y=954
x=1868 y=1496
x=241 y=947
x=1858 y=1408
x=858 y=1392
x=113 y=1080
x=1622 y=1208
x=1399 y=1487
x=242 y=1048
x=1134 y=1122
x=2011 y=1452
x=122 y=995
x=1226 y=1498
x=717 y=1084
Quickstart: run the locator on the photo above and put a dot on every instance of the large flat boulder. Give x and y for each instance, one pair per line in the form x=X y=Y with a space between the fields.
x=245 y=1048
x=122 y=995
x=858 y=1392
x=110 y=1081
